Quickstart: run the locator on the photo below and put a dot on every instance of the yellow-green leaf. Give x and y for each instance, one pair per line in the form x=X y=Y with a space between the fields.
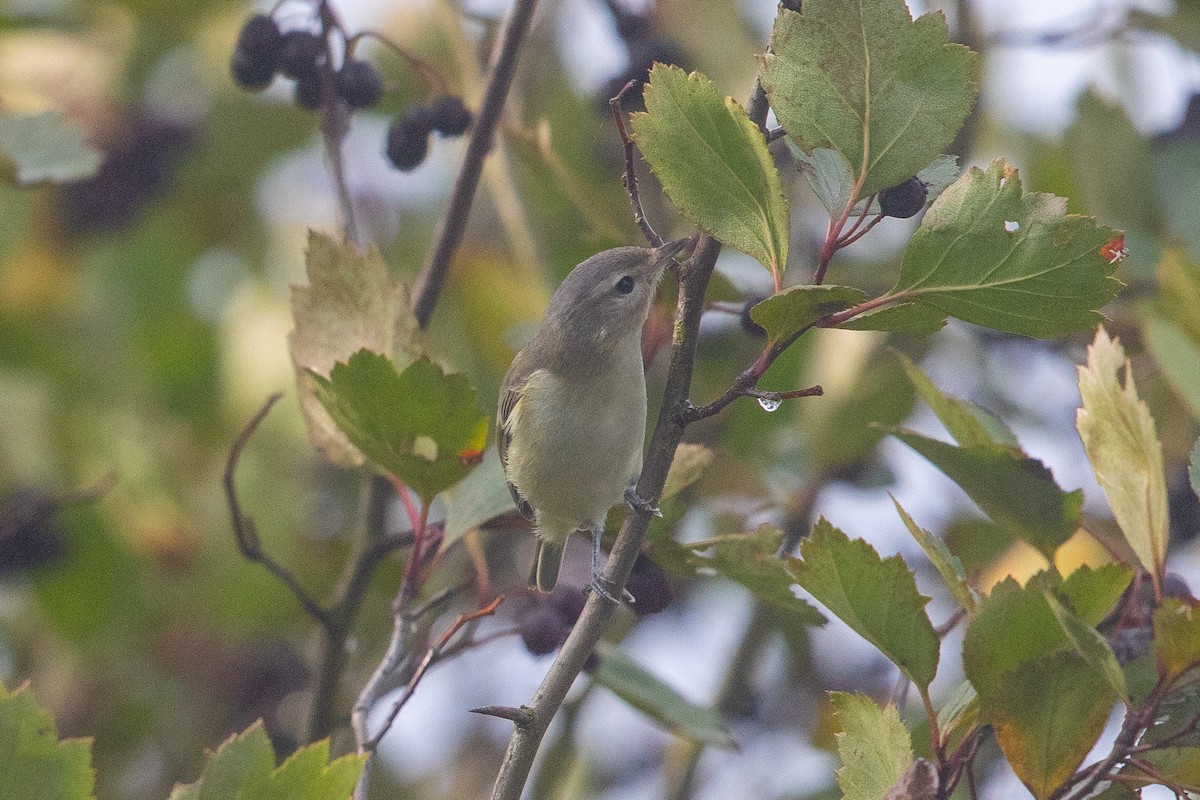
x=1176 y=637
x=874 y=746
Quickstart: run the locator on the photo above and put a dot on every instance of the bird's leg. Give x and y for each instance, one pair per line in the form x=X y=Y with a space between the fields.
x=634 y=501
x=600 y=584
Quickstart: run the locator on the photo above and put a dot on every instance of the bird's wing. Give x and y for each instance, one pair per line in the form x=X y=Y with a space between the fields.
x=510 y=393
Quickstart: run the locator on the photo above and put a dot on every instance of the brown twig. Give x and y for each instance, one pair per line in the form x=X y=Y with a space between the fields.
x=431 y=73
x=246 y=534
x=629 y=177
x=453 y=222
x=335 y=125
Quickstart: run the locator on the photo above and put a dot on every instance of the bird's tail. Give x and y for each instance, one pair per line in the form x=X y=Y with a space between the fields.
x=547 y=560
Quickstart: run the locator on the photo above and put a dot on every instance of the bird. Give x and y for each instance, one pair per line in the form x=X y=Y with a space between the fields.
x=571 y=415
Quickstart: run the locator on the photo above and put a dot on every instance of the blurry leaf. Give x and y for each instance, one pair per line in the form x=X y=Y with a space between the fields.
x=1013 y=624
x=686 y=468
x=989 y=254
x=1090 y=645
x=1017 y=492
x=243 y=768
x=1176 y=637
x=1177 y=178
x=33 y=762
x=876 y=597
x=913 y=318
x=350 y=304
x=946 y=563
x=960 y=712
x=978 y=541
x=46 y=147
x=1047 y=714
x=969 y=424
x=1177 y=354
x=874 y=746
x=421 y=425
x=1121 y=442
x=633 y=684
x=713 y=163
x=786 y=313
x=864 y=79
x=750 y=560
x=1194 y=468
x=1180 y=766
x=1092 y=593
x=477 y=498
x=1179 y=290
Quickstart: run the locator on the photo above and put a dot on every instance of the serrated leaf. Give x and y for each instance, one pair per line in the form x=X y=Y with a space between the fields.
x=887 y=92
x=752 y=562
x=308 y=774
x=876 y=597
x=1017 y=492
x=243 y=759
x=1176 y=637
x=969 y=424
x=421 y=425
x=989 y=254
x=350 y=304
x=46 y=147
x=913 y=318
x=946 y=563
x=1177 y=354
x=1047 y=714
x=713 y=163
x=657 y=700
x=1122 y=444
x=1089 y=644
x=786 y=313
x=1013 y=624
x=1092 y=593
x=33 y=762
x=874 y=746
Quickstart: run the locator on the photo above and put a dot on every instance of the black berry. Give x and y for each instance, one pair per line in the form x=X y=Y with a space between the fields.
x=359 y=84
x=905 y=199
x=449 y=116
x=307 y=93
x=650 y=586
x=408 y=139
x=568 y=601
x=256 y=55
x=29 y=534
x=301 y=54
x=542 y=630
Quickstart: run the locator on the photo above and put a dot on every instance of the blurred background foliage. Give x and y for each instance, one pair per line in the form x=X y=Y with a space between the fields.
x=144 y=314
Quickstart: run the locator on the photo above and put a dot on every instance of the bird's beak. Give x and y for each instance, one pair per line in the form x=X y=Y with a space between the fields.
x=662 y=255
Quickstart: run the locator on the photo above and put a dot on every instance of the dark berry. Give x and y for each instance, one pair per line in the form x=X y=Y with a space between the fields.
x=905 y=199
x=543 y=629
x=307 y=93
x=408 y=139
x=29 y=534
x=449 y=116
x=256 y=55
x=568 y=601
x=301 y=54
x=359 y=84
x=650 y=586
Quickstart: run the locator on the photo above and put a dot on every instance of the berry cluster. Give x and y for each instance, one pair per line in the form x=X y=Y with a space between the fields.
x=325 y=74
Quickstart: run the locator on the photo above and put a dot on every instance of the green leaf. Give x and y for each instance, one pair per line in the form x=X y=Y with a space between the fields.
x=713 y=163
x=970 y=425
x=690 y=462
x=1180 y=766
x=33 y=762
x=46 y=147
x=874 y=746
x=786 y=313
x=1177 y=355
x=657 y=700
x=960 y=713
x=751 y=561
x=1047 y=714
x=480 y=496
x=1176 y=637
x=1121 y=442
x=1179 y=290
x=989 y=254
x=886 y=92
x=1090 y=645
x=829 y=176
x=946 y=563
x=876 y=597
x=421 y=425
x=1092 y=593
x=243 y=768
x=1017 y=492
x=913 y=318
x=1013 y=624
x=350 y=304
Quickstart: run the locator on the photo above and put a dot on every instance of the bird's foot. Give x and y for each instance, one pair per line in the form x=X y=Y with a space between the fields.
x=635 y=501
x=601 y=585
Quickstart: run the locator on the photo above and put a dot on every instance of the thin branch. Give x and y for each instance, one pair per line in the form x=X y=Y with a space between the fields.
x=431 y=73
x=244 y=530
x=453 y=223
x=335 y=125
x=629 y=177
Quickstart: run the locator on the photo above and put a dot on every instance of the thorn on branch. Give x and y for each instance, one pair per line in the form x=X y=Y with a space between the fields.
x=521 y=717
x=629 y=178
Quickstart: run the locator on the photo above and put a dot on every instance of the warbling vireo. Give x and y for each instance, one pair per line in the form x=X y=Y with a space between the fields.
x=572 y=412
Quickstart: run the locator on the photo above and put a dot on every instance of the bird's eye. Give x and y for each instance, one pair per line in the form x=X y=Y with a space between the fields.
x=625 y=285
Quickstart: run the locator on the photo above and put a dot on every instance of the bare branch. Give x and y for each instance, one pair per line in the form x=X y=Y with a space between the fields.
x=629 y=178
x=453 y=223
